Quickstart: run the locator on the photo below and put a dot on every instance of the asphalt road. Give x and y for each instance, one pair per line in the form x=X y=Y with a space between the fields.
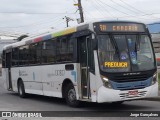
x=10 y=101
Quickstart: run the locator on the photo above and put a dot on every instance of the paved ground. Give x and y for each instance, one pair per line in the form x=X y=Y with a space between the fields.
x=80 y=118
x=10 y=101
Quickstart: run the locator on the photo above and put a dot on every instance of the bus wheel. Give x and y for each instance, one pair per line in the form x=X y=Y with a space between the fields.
x=21 y=90
x=70 y=96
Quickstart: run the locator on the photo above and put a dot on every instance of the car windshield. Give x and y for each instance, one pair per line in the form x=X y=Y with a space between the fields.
x=125 y=53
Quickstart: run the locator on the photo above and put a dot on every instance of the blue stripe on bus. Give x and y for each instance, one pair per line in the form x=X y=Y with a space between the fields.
x=130 y=85
x=46 y=37
x=33 y=76
x=74 y=75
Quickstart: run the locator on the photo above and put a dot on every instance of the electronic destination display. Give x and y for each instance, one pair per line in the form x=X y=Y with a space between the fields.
x=120 y=27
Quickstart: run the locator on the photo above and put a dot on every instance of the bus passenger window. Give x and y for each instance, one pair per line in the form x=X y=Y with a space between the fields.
x=35 y=54
x=23 y=55
x=15 y=57
x=49 y=51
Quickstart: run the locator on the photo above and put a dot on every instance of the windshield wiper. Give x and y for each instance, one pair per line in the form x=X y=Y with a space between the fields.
x=137 y=43
x=115 y=45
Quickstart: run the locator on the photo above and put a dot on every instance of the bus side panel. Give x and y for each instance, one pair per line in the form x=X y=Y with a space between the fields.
x=78 y=86
x=93 y=80
x=14 y=76
x=31 y=77
x=53 y=77
x=98 y=82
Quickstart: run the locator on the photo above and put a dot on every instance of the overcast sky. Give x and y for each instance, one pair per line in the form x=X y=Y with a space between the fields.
x=38 y=16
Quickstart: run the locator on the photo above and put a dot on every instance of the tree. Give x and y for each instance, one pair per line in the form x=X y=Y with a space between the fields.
x=21 y=37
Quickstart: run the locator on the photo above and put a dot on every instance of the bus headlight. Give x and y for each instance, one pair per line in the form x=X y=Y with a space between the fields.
x=106 y=82
x=154 y=79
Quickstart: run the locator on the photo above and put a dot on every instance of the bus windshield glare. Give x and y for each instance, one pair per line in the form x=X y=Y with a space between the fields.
x=125 y=53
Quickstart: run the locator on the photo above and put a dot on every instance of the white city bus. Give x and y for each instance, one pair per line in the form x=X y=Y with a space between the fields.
x=103 y=61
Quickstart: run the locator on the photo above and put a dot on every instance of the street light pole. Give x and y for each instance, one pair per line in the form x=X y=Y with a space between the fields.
x=67 y=20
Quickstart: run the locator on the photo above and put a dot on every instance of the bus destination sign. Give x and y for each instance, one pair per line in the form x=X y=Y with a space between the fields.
x=121 y=27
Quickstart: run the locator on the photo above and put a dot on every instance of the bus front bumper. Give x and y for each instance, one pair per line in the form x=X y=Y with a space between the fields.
x=111 y=95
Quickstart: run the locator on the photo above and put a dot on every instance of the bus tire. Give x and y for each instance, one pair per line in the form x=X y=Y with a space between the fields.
x=70 y=96
x=21 y=90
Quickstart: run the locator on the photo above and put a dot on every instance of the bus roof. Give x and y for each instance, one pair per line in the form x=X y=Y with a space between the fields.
x=53 y=34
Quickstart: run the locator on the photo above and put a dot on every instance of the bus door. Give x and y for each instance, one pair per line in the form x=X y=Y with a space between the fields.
x=8 y=66
x=83 y=59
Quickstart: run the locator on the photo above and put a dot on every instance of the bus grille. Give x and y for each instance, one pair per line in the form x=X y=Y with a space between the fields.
x=126 y=95
x=130 y=78
x=130 y=85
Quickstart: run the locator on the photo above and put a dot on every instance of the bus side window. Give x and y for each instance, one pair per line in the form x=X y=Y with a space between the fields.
x=65 y=49
x=23 y=55
x=70 y=51
x=58 y=50
x=15 y=56
x=35 y=53
x=49 y=51
x=38 y=53
x=91 y=47
x=32 y=55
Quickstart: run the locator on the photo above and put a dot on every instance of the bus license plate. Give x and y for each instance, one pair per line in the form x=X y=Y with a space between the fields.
x=133 y=92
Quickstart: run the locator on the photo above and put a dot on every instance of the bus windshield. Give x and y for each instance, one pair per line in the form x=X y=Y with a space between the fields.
x=125 y=53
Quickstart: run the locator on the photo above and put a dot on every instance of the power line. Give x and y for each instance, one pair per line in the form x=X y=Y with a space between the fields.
x=113 y=7
x=33 y=24
x=57 y=22
x=31 y=13
x=144 y=13
x=60 y=24
x=105 y=9
x=142 y=16
x=122 y=11
x=135 y=16
x=124 y=7
x=95 y=7
x=20 y=33
x=132 y=7
x=88 y=14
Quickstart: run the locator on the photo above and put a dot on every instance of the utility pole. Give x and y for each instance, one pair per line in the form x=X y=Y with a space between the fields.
x=80 y=11
x=68 y=19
